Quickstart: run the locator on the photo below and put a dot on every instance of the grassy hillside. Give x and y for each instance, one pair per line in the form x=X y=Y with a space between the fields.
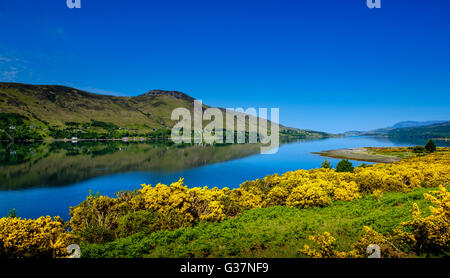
x=57 y=105
x=441 y=130
x=437 y=130
x=34 y=111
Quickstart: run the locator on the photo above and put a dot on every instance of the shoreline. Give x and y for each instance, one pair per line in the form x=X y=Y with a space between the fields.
x=131 y=139
x=80 y=140
x=359 y=154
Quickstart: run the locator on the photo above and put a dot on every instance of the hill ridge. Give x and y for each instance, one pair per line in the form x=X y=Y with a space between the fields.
x=175 y=94
x=56 y=111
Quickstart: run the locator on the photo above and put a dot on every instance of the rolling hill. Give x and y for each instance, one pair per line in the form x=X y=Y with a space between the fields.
x=416 y=124
x=50 y=111
x=409 y=129
x=440 y=130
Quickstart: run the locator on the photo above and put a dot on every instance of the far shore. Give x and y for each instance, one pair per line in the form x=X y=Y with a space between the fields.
x=359 y=154
x=441 y=139
x=79 y=140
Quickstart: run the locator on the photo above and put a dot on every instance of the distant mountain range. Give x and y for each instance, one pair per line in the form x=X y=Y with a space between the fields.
x=440 y=130
x=416 y=124
x=409 y=129
x=50 y=111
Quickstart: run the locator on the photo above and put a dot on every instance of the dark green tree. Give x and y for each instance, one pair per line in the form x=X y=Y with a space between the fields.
x=430 y=146
x=326 y=165
x=12 y=213
x=344 y=166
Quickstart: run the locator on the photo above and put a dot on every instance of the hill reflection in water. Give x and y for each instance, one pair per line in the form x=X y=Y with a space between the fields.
x=60 y=163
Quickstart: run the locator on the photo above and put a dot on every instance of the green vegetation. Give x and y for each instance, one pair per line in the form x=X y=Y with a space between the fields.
x=14 y=126
x=12 y=213
x=441 y=130
x=103 y=130
x=287 y=133
x=431 y=129
x=418 y=149
x=344 y=166
x=326 y=165
x=399 y=152
x=430 y=146
x=269 y=232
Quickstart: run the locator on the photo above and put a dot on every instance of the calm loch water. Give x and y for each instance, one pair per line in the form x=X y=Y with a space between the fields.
x=48 y=178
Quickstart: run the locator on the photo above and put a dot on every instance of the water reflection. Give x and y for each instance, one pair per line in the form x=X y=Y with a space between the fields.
x=60 y=163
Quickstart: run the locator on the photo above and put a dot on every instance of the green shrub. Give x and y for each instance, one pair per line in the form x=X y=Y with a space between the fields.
x=95 y=234
x=137 y=221
x=326 y=165
x=418 y=149
x=12 y=213
x=430 y=146
x=344 y=166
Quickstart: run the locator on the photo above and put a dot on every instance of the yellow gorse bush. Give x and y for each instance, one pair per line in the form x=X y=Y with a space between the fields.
x=429 y=234
x=277 y=196
x=208 y=204
x=173 y=201
x=249 y=199
x=326 y=247
x=177 y=200
x=346 y=191
x=42 y=237
x=312 y=193
x=423 y=235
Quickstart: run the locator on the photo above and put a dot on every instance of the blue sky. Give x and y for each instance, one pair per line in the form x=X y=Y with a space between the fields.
x=330 y=65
